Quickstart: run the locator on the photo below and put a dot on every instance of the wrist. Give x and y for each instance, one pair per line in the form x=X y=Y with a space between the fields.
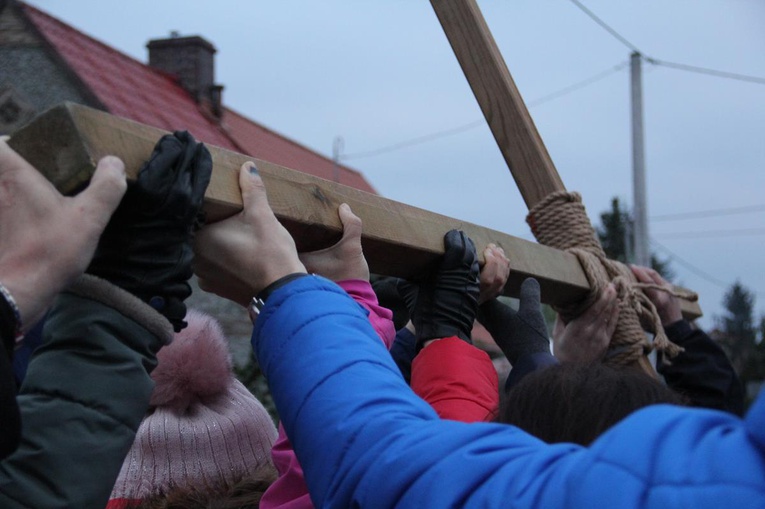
x=31 y=286
x=29 y=301
x=10 y=315
x=678 y=331
x=671 y=318
x=427 y=334
x=259 y=301
x=266 y=278
x=271 y=288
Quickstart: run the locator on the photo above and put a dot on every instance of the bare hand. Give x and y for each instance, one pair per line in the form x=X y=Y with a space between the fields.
x=494 y=273
x=666 y=304
x=586 y=338
x=238 y=257
x=46 y=239
x=345 y=260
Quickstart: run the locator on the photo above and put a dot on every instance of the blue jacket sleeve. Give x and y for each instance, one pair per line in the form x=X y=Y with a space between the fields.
x=365 y=440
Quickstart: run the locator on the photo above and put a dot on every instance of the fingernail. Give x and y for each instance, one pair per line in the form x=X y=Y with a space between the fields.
x=253 y=169
x=116 y=163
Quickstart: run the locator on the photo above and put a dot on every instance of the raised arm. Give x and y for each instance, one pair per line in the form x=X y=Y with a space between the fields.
x=339 y=395
x=457 y=379
x=34 y=218
x=701 y=372
x=522 y=334
x=88 y=385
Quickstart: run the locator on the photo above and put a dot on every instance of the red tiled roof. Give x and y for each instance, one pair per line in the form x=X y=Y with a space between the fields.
x=265 y=144
x=133 y=90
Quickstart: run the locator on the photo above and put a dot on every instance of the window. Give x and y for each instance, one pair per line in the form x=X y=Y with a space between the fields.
x=14 y=111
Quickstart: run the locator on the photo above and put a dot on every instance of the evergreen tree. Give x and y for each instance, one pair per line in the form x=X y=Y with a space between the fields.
x=617 y=238
x=738 y=331
x=613 y=233
x=755 y=366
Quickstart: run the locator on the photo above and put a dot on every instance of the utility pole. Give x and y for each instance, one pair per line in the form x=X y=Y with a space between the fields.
x=337 y=149
x=640 y=207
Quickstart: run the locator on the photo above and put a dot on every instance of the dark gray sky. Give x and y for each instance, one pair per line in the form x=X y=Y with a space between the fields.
x=381 y=73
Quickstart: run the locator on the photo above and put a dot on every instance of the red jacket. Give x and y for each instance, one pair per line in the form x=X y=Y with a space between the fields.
x=457 y=379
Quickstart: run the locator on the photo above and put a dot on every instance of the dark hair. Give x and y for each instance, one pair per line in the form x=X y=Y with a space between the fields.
x=578 y=402
x=244 y=493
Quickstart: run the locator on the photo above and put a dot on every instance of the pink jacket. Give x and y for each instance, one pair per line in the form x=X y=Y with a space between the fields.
x=289 y=490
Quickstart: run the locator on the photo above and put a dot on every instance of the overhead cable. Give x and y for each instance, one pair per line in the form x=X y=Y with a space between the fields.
x=709 y=213
x=477 y=123
x=656 y=61
x=704 y=70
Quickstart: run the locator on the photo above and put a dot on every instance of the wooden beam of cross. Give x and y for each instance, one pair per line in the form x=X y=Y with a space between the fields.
x=502 y=105
x=65 y=143
x=500 y=101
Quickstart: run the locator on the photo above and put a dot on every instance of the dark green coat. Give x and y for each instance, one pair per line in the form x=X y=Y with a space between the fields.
x=85 y=393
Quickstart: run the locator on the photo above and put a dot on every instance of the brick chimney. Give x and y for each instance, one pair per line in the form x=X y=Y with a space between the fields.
x=192 y=60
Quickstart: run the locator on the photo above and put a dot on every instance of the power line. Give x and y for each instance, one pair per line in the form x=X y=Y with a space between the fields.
x=688 y=265
x=674 y=65
x=576 y=86
x=477 y=123
x=695 y=270
x=415 y=141
x=745 y=232
x=709 y=213
x=605 y=26
x=559 y=93
x=704 y=70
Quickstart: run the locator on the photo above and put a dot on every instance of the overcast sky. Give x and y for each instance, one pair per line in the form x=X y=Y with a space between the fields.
x=381 y=73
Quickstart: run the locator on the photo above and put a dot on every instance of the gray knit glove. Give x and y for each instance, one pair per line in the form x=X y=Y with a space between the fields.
x=517 y=332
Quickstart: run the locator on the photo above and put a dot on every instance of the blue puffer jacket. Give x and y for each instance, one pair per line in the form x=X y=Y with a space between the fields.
x=365 y=440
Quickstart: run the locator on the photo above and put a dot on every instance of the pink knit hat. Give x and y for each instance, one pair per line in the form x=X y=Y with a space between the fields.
x=203 y=425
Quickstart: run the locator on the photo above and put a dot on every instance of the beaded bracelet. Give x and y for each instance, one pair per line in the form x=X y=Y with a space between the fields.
x=14 y=307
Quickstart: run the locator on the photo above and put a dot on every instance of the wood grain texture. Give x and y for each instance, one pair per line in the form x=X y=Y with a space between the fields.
x=503 y=107
x=499 y=99
x=398 y=240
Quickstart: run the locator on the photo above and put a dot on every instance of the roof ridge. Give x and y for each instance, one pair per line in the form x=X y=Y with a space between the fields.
x=106 y=46
x=111 y=49
x=120 y=91
x=290 y=140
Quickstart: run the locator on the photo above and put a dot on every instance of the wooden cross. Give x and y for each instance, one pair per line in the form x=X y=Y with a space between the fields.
x=398 y=240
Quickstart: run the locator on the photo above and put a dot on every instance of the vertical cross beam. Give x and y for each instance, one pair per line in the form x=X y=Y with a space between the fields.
x=502 y=105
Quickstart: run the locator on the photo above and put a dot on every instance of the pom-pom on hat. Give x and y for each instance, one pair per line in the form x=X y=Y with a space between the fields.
x=203 y=426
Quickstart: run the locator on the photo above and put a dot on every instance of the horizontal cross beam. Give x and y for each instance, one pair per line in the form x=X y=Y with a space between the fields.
x=65 y=143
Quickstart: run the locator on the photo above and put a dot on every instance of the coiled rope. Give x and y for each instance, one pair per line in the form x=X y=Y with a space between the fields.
x=560 y=221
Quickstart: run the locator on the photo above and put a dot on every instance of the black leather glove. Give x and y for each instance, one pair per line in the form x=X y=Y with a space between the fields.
x=408 y=292
x=517 y=332
x=146 y=247
x=447 y=300
x=398 y=295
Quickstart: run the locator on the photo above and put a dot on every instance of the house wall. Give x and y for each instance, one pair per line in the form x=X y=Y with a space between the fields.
x=31 y=80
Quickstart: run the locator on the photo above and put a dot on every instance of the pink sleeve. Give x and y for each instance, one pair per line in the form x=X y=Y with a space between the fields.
x=381 y=318
x=289 y=491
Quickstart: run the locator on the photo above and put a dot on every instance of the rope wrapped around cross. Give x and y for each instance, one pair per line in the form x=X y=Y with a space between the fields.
x=560 y=221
